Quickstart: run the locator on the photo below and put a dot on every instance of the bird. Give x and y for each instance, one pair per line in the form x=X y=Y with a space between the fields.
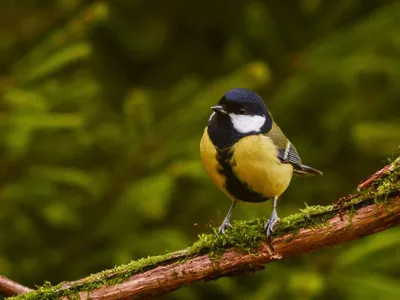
x=247 y=155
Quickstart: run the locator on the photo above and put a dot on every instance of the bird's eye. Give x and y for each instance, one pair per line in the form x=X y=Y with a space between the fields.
x=242 y=111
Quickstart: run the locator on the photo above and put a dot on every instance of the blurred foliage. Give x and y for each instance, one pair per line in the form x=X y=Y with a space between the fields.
x=103 y=104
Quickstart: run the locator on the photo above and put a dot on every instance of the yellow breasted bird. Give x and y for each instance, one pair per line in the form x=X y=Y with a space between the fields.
x=247 y=155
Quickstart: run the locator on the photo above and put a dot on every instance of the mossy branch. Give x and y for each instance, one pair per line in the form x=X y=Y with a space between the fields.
x=244 y=249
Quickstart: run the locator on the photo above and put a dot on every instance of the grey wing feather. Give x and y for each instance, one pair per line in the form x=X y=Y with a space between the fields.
x=287 y=153
x=290 y=155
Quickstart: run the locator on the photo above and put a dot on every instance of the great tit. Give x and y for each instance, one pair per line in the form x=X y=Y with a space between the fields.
x=247 y=155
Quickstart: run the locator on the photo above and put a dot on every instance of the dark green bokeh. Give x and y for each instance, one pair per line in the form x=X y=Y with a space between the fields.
x=103 y=104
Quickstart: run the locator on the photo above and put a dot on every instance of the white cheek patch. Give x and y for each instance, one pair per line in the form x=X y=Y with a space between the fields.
x=245 y=124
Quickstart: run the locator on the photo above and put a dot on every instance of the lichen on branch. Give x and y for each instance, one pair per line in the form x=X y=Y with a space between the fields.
x=244 y=248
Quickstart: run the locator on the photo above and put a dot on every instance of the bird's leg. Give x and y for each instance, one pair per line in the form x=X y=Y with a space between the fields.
x=269 y=225
x=227 y=221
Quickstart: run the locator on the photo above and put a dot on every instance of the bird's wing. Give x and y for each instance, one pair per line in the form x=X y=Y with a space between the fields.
x=287 y=153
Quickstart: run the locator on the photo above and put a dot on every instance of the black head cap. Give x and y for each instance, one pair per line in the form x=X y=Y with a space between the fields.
x=243 y=101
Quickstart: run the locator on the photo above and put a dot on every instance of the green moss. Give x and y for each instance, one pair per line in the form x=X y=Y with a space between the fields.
x=245 y=236
x=107 y=277
x=352 y=212
x=310 y=216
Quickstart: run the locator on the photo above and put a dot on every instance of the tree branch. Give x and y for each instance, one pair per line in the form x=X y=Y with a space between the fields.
x=10 y=288
x=244 y=249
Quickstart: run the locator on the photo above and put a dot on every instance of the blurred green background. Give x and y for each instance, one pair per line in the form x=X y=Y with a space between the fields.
x=103 y=104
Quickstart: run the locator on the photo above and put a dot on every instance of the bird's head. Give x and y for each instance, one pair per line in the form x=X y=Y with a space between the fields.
x=244 y=110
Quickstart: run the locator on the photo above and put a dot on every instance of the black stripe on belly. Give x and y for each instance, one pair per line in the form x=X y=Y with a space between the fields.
x=238 y=189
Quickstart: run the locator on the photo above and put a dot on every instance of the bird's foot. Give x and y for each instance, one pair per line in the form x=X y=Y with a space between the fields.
x=224 y=226
x=270 y=224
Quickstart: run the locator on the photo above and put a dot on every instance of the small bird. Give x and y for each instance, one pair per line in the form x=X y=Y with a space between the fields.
x=247 y=155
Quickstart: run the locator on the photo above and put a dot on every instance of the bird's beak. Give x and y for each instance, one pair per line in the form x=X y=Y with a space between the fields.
x=219 y=109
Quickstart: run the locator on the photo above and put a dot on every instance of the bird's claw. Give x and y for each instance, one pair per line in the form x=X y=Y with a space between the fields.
x=270 y=224
x=224 y=226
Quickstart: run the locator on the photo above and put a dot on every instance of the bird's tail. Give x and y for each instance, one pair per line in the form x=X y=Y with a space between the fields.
x=307 y=171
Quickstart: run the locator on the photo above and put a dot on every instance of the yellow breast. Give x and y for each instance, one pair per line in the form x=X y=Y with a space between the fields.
x=254 y=162
x=209 y=158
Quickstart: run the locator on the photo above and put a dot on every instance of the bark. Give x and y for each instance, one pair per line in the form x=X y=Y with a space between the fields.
x=158 y=281
x=10 y=288
x=351 y=217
